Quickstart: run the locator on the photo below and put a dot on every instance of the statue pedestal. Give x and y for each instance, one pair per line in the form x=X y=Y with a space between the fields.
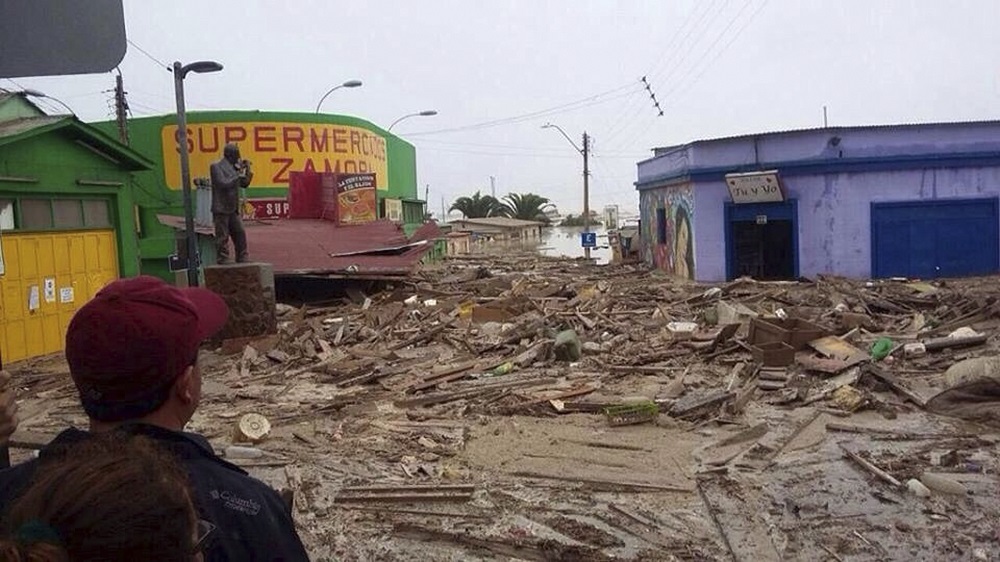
x=248 y=289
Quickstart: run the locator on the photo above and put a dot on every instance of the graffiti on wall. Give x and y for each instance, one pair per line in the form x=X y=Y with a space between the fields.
x=668 y=229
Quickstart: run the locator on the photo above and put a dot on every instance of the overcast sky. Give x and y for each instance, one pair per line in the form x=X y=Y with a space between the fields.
x=497 y=71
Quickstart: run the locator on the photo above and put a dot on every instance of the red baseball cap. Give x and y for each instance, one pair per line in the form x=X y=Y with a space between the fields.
x=127 y=346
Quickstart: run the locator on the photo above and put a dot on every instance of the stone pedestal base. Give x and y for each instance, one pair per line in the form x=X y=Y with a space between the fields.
x=248 y=289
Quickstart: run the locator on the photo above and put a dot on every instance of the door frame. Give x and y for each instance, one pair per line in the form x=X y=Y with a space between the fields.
x=789 y=210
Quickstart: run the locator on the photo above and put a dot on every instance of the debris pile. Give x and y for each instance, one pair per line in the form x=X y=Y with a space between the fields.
x=546 y=409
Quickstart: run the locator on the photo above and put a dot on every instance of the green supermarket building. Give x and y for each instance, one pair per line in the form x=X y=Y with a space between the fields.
x=79 y=207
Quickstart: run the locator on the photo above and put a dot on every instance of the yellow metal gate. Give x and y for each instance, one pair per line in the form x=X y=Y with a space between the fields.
x=47 y=277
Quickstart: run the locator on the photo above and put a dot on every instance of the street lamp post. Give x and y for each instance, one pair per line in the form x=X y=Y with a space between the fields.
x=425 y=113
x=180 y=72
x=348 y=84
x=585 y=151
x=36 y=94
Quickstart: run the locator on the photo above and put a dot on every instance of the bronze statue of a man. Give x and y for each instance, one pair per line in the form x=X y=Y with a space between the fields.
x=229 y=175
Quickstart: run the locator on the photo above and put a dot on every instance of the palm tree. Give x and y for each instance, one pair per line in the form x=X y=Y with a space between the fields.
x=477 y=207
x=526 y=206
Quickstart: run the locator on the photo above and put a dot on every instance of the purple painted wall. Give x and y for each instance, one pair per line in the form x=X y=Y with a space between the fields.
x=834 y=220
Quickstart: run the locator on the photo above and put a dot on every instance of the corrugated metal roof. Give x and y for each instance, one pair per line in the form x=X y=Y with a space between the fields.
x=881 y=127
x=15 y=127
x=304 y=246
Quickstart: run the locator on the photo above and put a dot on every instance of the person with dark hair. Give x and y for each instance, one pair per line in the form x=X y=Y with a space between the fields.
x=133 y=355
x=74 y=509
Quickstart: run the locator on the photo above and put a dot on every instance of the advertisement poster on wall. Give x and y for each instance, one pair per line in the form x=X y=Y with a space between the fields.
x=265 y=209
x=356 y=202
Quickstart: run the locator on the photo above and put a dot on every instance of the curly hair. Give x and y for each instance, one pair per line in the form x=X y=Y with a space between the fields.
x=113 y=497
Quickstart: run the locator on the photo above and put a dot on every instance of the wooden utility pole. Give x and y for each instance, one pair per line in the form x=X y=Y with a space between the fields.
x=121 y=109
x=586 y=189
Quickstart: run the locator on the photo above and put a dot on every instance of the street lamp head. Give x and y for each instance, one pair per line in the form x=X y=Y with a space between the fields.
x=548 y=126
x=352 y=84
x=203 y=66
x=424 y=113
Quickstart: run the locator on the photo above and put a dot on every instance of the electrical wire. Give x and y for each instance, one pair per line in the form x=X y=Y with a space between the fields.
x=563 y=108
x=671 y=53
x=149 y=56
x=688 y=84
x=632 y=114
x=676 y=57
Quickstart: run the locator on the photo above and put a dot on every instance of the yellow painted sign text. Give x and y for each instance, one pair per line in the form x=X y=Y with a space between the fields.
x=275 y=149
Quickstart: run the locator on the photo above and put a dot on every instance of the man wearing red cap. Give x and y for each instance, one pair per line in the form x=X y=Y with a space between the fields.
x=133 y=354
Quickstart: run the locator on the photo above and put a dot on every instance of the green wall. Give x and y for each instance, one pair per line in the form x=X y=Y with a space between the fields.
x=154 y=196
x=14 y=106
x=57 y=162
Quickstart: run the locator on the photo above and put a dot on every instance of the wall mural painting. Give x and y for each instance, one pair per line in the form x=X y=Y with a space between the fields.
x=668 y=229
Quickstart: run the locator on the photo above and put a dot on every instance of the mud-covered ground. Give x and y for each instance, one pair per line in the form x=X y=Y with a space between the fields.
x=440 y=420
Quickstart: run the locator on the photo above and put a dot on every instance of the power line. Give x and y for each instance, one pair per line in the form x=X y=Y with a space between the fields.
x=677 y=72
x=687 y=85
x=632 y=114
x=151 y=57
x=421 y=142
x=571 y=106
x=14 y=82
x=679 y=54
x=485 y=153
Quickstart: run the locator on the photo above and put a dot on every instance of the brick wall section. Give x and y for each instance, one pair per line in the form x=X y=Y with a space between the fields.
x=248 y=289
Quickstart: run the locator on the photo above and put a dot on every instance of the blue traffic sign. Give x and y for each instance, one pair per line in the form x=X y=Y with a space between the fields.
x=588 y=239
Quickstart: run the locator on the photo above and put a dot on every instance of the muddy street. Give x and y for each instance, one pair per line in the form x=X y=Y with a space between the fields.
x=531 y=408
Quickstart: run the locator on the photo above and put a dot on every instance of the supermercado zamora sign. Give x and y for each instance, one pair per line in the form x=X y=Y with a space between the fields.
x=276 y=148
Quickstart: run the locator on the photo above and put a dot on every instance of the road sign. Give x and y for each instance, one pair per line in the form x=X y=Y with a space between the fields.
x=588 y=239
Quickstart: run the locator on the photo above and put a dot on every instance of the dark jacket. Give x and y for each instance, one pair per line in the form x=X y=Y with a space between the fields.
x=226 y=184
x=253 y=524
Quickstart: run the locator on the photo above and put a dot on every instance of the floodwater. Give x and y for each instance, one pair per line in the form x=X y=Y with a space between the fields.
x=565 y=241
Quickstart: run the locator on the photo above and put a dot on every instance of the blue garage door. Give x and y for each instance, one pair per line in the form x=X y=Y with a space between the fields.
x=949 y=238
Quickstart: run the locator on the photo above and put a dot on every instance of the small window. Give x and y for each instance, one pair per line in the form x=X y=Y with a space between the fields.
x=95 y=213
x=661 y=226
x=68 y=213
x=36 y=214
x=6 y=214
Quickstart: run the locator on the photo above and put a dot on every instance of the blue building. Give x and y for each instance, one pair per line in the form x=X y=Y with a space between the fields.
x=877 y=201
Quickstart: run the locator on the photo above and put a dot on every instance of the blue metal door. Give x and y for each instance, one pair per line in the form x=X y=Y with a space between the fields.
x=946 y=238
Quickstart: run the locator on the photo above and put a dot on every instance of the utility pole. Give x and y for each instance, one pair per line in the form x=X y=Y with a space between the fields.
x=493 y=187
x=427 y=201
x=586 y=190
x=444 y=217
x=121 y=109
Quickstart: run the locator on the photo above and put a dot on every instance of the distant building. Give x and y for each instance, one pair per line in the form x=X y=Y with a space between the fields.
x=610 y=216
x=877 y=201
x=458 y=243
x=500 y=230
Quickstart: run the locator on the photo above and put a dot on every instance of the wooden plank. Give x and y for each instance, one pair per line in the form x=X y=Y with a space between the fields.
x=682 y=408
x=404 y=498
x=601 y=483
x=443 y=397
x=870 y=467
x=431 y=488
x=742 y=531
x=897 y=386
